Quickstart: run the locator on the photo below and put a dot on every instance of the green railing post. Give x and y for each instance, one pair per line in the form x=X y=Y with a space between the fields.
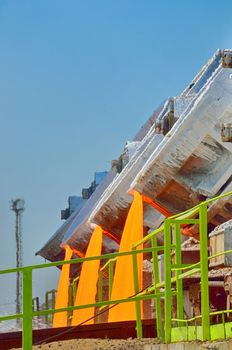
x=139 y=327
x=179 y=282
x=157 y=290
x=168 y=285
x=71 y=301
x=100 y=292
x=27 y=309
x=203 y=230
x=74 y=289
x=47 y=306
x=28 y=313
x=111 y=276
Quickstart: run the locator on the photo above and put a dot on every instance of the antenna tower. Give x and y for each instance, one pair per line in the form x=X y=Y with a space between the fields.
x=17 y=206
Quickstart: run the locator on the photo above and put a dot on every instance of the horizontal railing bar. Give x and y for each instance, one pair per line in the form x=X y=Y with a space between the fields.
x=181 y=276
x=145 y=250
x=107 y=263
x=146 y=296
x=187 y=320
x=149 y=236
x=10 y=317
x=179 y=267
x=97 y=304
x=198 y=263
x=213 y=313
x=186 y=267
x=157 y=248
x=157 y=295
x=187 y=273
x=184 y=221
x=186 y=214
x=219 y=254
x=73 y=261
x=216 y=198
x=194 y=210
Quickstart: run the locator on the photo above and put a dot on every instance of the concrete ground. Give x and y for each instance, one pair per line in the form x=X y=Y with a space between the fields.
x=131 y=344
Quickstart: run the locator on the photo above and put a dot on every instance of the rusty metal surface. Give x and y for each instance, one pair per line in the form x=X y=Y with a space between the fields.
x=227 y=59
x=113 y=330
x=226 y=132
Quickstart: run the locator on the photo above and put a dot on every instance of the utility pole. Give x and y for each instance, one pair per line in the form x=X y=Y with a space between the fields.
x=17 y=206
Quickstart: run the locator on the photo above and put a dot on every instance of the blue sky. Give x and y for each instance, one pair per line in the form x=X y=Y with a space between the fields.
x=77 y=80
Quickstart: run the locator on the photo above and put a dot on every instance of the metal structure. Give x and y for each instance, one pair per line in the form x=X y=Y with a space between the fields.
x=170 y=328
x=178 y=163
x=17 y=206
x=183 y=155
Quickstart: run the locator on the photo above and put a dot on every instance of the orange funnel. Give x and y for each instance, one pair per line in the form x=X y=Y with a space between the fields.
x=123 y=284
x=60 y=319
x=87 y=286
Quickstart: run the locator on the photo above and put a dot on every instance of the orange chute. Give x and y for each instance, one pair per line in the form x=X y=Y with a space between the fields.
x=87 y=286
x=60 y=318
x=123 y=284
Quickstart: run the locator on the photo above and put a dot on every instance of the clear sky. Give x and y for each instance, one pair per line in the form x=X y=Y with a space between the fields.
x=77 y=80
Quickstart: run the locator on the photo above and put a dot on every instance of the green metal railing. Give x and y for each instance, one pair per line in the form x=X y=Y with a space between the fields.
x=28 y=313
x=168 y=289
x=50 y=297
x=174 y=275
x=105 y=277
x=217 y=331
